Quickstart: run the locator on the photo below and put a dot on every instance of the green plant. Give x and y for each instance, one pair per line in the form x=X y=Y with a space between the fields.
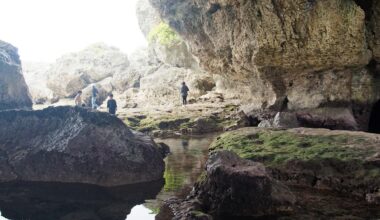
x=163 y=34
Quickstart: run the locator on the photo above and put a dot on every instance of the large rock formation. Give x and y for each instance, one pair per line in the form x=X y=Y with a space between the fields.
x=76 y=71
x=232 y=188
x=67 y=144
x=13 y=90
x=156 y=73
x=310 y=53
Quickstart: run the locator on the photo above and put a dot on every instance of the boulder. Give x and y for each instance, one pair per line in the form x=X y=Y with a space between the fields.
x=66 y=144
x=285 y=120
x=233 y=187
x=75 y=71
x=14 y=92
x=332 y=118
x=142 y=63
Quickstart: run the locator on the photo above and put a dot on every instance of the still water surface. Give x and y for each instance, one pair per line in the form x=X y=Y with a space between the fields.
x=46 y=201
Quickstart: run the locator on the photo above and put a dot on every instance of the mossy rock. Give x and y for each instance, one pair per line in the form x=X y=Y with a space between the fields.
x=340 y=160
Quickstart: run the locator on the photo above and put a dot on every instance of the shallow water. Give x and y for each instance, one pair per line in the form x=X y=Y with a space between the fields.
x=46 y=201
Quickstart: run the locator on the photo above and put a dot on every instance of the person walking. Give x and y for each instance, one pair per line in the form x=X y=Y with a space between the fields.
x=78 y=99
x=111 y=105
x=94 y=94
x=184 y=92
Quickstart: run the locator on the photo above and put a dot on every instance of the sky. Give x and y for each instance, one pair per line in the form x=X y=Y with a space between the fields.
x=44 y=30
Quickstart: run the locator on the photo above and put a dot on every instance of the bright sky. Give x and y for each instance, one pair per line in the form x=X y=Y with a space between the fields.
x=43 y=30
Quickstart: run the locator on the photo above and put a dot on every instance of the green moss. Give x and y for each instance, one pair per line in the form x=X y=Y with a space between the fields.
x=173 y=180
x=277 y=147
x=163 y=34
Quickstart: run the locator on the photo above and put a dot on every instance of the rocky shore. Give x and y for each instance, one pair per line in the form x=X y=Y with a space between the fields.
x=286 y=174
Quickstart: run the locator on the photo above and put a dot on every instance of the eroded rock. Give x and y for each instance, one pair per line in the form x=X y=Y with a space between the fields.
x=14 y=92
x=66 y=144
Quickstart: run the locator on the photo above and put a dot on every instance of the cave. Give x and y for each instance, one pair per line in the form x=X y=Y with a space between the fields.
x=374 y=120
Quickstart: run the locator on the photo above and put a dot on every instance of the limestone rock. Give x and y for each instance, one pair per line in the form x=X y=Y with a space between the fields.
x=162 y=87
x=74 y=72
x=147 y=17
x=267 y=51
x=285 y=120
x=142 y=63
x=66 y=144
x=14 y=92
x=332 y=118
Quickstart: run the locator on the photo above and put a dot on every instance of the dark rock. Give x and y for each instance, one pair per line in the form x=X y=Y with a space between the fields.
x=233 y=187
x=66 y=144
x=172 y=124
x=164 y=149
x=238 y=187
x=14 y=92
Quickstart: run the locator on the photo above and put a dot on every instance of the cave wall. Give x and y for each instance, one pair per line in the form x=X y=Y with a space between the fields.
x=312 y=53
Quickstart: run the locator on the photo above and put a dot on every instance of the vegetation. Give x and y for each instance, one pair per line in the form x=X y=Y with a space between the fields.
x=163 y=34
x=274 y=148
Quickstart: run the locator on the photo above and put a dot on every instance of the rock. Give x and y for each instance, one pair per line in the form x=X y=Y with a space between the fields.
x=318 y=159
x=36 y=75
x=233 y=187
x=285 y=120
x=75 y=71
x=375 y=27
x=243 y=188
x=104 y=87
x=147 y=17
x=205 y=124
x=266 y=124
x=162 y=86
x=164 y=149
x=142 y=63
x=172 y=123
x=332 y=118
x=14 y=92
x=373 y=198
x=66 y=144
x=267 y=52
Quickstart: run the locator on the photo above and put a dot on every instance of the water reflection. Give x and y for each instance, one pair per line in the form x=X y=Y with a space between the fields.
x=183 y=167
x=72 y=201
x=47 y=201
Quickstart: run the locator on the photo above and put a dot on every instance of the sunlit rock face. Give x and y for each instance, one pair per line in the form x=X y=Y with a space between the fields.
x=75 y=145
x=76 y=71
x=155 y=74
x=14 y=92
x=310 y=53
x=36 y=75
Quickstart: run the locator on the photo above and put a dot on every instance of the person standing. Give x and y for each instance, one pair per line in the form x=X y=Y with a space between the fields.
x=94 y=94
x=78 y=99
x=184 y=92
x=111 y=105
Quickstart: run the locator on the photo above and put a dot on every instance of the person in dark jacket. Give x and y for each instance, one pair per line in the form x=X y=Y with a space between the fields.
x=111 y=105
x=184 y=92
